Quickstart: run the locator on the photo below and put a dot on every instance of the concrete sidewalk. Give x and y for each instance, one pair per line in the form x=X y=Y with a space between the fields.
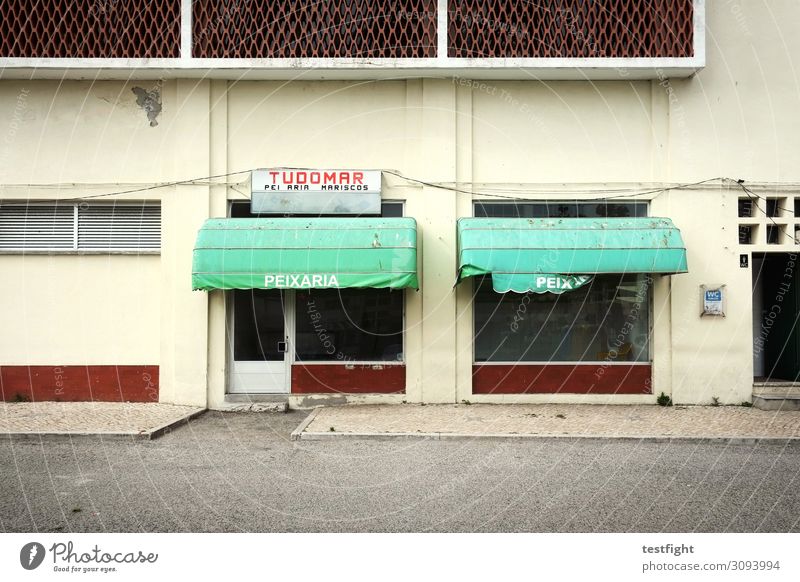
x=448 y=421
x=53 y=420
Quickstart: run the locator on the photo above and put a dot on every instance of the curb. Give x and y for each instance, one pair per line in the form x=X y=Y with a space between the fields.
x=298 y=434
x=165 y=428
x=63 y=436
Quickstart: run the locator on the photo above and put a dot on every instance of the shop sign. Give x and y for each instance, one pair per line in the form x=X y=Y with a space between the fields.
x=713 y=299
x=547 y=283
x=278 y=191
x=300 y=281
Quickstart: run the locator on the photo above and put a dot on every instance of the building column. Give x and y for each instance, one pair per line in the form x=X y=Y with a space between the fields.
x=463 y=291
x=217 y=328
x=184 y=329
x=437 y=225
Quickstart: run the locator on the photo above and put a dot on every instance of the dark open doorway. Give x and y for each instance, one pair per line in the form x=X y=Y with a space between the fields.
x=776 y=305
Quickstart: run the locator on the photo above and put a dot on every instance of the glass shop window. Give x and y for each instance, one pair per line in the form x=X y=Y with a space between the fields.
x=389 y=209
x=606 y=320
x=349 y=325
x=560 y=209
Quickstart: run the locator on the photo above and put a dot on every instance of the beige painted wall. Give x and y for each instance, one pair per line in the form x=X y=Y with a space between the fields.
x=82 y=132
x=711 y=356
x=79 y=309
x=736 y=118
x=562 y=132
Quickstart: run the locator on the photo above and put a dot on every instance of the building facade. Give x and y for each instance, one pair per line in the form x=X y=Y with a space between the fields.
x=127 y=139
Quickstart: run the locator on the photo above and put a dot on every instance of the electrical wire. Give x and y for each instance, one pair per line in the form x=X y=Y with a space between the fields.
x=484 y=192
x=522 y=198
x=749 y=192
x=190 y=181
x=752 y=196
x=480 y=192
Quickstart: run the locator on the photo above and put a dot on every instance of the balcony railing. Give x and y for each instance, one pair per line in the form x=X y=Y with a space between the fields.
x=353 y=38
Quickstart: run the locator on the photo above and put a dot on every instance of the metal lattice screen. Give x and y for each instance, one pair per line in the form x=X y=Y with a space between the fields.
x=316 y=28
x=347 y=28
x=90 y=28
x=570 y=28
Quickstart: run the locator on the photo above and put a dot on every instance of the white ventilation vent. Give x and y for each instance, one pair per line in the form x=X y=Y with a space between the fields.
x=37 y=227
x=80 y=227
x=119 y=227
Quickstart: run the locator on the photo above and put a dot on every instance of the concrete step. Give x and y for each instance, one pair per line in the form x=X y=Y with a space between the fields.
x=767 y=402
x=255 y=403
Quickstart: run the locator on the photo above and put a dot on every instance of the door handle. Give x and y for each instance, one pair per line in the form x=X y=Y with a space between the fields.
x=282 y=347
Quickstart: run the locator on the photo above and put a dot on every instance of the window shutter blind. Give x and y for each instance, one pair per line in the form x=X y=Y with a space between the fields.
x=37 y=227
x=119 y=227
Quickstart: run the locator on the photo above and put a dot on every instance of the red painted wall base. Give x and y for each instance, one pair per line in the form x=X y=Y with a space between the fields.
x=338 y=379
x=561 y=379
x=79 y=383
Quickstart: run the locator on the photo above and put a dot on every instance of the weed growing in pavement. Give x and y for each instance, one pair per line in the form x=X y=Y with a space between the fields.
x=715 y=401
x=664 y=400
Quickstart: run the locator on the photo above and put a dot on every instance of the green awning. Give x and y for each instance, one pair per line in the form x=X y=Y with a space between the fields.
x=305 y=253
x=518 y=252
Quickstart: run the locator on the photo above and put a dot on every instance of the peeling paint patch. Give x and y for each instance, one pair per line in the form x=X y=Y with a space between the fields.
x=150 y=101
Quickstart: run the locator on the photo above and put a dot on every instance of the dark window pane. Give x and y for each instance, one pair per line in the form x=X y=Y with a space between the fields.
x=607 y=320
x=560 y=209
x=257 y=325
x=774 y=233
x=349 y=325
x=392 y=209
x=242 y=210
x=745 y=208
x=773 y=210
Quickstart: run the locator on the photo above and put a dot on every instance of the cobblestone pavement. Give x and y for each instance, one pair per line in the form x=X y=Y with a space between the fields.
x=87 y=417
x=559 y=420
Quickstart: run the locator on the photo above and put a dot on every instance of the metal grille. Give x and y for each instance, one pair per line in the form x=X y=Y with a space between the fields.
x=119 y=227
x=80 y=227
x=570 y=28
x=37 y=227
x=90 y=28
x=314 y=28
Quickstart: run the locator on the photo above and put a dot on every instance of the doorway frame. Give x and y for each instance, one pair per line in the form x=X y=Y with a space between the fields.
x=288 y=357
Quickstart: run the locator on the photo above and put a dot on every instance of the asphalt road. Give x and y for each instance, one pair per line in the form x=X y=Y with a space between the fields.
x=239 y=472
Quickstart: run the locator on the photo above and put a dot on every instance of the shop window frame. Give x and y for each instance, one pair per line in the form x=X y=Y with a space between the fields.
x=291 y=302
x=354 y=362
x=648 y=361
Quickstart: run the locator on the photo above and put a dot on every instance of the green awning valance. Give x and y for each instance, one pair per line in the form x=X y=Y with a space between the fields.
x=305 y=253
x=514 y=251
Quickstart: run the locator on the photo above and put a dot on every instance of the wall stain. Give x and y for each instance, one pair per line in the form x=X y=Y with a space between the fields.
x=150 y=101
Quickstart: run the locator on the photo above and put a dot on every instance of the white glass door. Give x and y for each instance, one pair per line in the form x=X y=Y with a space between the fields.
x=260 y=351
